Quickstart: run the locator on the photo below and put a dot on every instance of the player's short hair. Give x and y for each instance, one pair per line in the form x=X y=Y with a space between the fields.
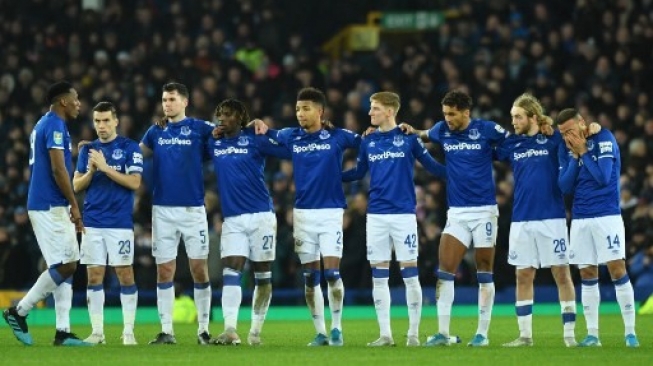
x=58 y=89
x=387 y=99
x=180 y=88
x=533 y=108
x=457 y=99
x=312 y=95
x=565 y=115
x=235 y=106
x=106 y=107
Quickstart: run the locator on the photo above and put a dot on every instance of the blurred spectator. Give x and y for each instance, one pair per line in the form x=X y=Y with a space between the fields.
x=589 y=54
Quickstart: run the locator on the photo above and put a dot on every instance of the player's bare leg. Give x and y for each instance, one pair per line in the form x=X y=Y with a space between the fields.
x=567 y=296
x=202 y=294
x=625 y=298
x=128 y=302
x=260 y=300
x=232 y=297
x=450 y=254
x=165 y=296
x=524 y=307
x=315 y=301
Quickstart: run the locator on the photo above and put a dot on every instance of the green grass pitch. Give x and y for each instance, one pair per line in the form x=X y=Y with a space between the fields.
x=285 y=344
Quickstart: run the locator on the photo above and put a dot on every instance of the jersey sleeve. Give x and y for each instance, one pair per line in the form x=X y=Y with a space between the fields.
x=55 y=134
x=270 y=147
x=357 y=172
x=82 y=159
x=434 y=132
x=496 y=133
x=280 y=136
x=134 y=163
x=350 y=139
x=206 y=129
x=502 y=151
x=149 y=139
x=427 y=161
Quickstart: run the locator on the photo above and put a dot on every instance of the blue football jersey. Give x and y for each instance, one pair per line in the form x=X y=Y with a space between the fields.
x=534 y=161
x=108 y=204
x=317 y=164
x=179 y=151
x=594 y=179
x=239 y=164
x=50 y=132
x=468 y=159
x=390 y=157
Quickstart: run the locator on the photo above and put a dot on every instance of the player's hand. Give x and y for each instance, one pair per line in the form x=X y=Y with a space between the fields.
x=369 y=130
x=407 y=129
x=576 y=143
x=97 y=159
x=594 y=128
x=162 y=123
x=82 y=143
x=218 y=132
x=327 y=125
x=76 y=218
x=260 y=127
x=546 y=129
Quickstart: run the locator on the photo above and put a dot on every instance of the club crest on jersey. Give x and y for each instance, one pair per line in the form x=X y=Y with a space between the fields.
x=218 y=143
x=447 y=134
x=590 y=145
x=474 y=134
x=58 y=138
x=541 y=139
x=117 y=154
x=185 y=130
x=324 y=134
x=372 y=144
x=398 y=140
x=243 y=141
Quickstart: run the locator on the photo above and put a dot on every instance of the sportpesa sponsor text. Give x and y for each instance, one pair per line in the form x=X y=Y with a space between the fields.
x=530 y=153
x=310 y=148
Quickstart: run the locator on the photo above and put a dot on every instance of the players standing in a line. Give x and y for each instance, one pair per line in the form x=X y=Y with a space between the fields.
x=472 y=216
x=538 y=232
x=319 y=205
x=50 y=194
x=590 y=169
x=109 y=170
x=250 y=224
x=390 y=156
x=178 y=207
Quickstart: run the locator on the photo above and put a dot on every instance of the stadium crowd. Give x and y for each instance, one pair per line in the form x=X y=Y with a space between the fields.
x=592 y=55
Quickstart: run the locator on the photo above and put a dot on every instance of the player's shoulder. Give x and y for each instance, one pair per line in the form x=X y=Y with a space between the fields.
x=605 y=135
x=126 y=142
x=203 y=122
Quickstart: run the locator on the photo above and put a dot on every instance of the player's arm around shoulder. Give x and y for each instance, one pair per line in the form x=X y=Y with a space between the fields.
x=423 y=135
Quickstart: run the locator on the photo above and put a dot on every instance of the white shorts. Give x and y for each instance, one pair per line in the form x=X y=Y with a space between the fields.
x=477 y=225
x=55 y=235
x=317 y=232
x=169 y=224
x=538 y=244
x=250 y=235
x=597 y=240
x=389 y=232
x=98 y=244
